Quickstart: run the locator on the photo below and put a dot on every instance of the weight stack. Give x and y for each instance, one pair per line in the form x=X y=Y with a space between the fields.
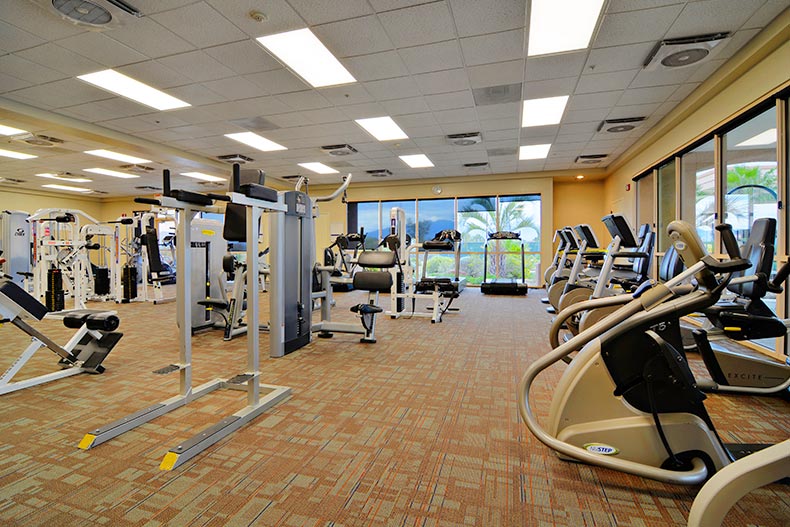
x=54 y=297
x=54 y=280
x=400 y=303
x=101 y=281
x=129 y=281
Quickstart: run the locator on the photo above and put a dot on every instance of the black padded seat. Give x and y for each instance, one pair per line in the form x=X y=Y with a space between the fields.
x=23 y=299
x=377 y=259
x=759 y=250
x=214 y=303
x=373 y=281
x=366 y=309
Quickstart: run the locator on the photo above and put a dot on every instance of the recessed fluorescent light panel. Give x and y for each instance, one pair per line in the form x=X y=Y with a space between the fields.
x=66 y=187
x=124 y=86
x=533 y=152
x=561 y=25
x=10 y=130
x=256 y=141
x=16 y=155
x=762 y=139
x=542 y=112
x=301 y=51
x=111 y=173
x=382 y=128
x=118 y=157
x=318 y=168
x=203 y=177
x=417 y=161
x=64 y=178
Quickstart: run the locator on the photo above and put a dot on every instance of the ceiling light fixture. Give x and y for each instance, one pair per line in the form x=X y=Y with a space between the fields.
x=203 y=177
x=765 y=138
x=64 y=178
x=66 y=187
x=116 y=156
x=256 y=141
x=557 y=26
x=10 y=130
x=580 y=176
x=542 y=112
x=111 y=173
x=533 y=152
x=120 y=84
x=303 y=53
x=382 y=128
x=417 y=161
x=16 y=155
x=318 y=168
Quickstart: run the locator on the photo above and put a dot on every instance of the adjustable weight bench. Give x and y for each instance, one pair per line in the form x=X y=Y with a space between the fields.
x=374 y=282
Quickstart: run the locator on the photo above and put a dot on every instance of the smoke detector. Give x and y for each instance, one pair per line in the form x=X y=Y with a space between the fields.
x=467 y=139
x=235 y=158
x=142 y=169
x=618 y=126
x=590 y=159
x=44 y=141
x=339 y=150
x=379 y=172
x=481 y=164
x=684 y=51
x=92 y=14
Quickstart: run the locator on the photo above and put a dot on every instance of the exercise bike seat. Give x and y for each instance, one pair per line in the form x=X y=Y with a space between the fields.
x=366 y=309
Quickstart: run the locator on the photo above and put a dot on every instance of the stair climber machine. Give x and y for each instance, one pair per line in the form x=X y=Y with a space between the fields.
x=567 y=251
x=627 y=401
x=257 y=199
x=555 y=260
x=83 y=353
x=504 y=285
x=590 y=253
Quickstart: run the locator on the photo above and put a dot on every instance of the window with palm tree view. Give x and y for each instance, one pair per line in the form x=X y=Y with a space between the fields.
x=475 y=218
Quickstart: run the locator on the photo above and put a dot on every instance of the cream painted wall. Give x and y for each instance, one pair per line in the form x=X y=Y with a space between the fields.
x=30 y=201
x=581 y=202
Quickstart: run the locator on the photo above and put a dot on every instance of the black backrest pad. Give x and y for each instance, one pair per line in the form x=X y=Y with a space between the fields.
x=380 y=281
x=570 y=239
x=20 y=297
x=617 y=225
x=235 y=227
x=377 y=259
x=642 y=265
x=671 y=265
x=586 y=234
x=152 y=246
x=759 y=250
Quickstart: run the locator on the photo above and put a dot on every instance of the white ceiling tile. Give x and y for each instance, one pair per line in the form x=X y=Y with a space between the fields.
x=683 y=91
x=36 y=20
x=603 y=146
x=28 y=71
x=59 y=94
x=280 y=16
x=200 y=25
x=286 y=120
x=324 y=115
x=461 y=128
x=405 y=106
x=770 y=10
x=393 y=88
x=323 y=11
x=646 y=95
x=449 y=101
x=416 y=120
x=618 y=6
x=195 y=115
x=114 y=108
x=638 y=110
x=232 y=88
x=703 y=71
x=591 y=101
x=417 y=25
x=503 y=123
x=376 y=66
x=497 y=47
x=477 y=17
x=13 y=39
x=442 y=81
x=423 y=131
x=129 y=124
x=9 y=83
x=200 y=94
x=102 y=49
x=501 y=136
x=598 y=82
x=150 y=7
x=304 y=100
x=578 y=128
x=662 y=76
x=358 y=36
x=509 y=72
x=499 y=111
x=197 y=66
x=648 y=25
x=55 y=57
x=735 y=43
x=712 y=16
x=244 y=57
x=583 y=116
x=264 y=106
x=568 y=147
x=432 y=57
x=150 y=38
x=346 y=95
x=456 y=116
x=278 y=81
x=618 y=58
x=555 y=66
x=363 y=111
x=539 y=134
x=155 y=74
x=549 y=88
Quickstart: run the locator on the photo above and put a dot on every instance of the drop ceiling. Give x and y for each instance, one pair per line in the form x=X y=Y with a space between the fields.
x=436 y=67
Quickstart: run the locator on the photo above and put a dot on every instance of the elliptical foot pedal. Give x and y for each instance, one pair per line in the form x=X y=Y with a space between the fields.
x=240 y=378
x=170 y=368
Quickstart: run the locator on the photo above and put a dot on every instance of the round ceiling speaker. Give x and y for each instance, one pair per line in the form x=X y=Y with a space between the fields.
x=83 y=12
x=685 y=57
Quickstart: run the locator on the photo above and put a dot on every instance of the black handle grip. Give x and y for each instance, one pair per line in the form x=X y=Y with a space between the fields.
x=236 y=177
x=166 y=182
x=218 y=197
x=148 y=201
x=781 y=276
x=729 y=241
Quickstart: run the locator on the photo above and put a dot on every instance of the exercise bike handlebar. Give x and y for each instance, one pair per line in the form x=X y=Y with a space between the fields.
x=338 y=192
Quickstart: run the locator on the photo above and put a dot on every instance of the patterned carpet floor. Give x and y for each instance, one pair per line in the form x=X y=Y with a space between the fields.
x=420 y=429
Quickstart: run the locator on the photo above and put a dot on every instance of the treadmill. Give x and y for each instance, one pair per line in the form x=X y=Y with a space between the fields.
x=503 y=286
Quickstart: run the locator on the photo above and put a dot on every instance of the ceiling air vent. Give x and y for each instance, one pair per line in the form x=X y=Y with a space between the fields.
x=99 y=192
x=590 y=159
x=497 y=94
x=481 y=164
x=293 y=176
x=339 y=150
x=468 y=139
x=379 y=172
x=93 y=14
x=616 y=126
x=142 y=169
x=235 y=158
x=502 y=151
x=44 y=141
x=685 y=51
x=148 y=187
x=11 y=181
